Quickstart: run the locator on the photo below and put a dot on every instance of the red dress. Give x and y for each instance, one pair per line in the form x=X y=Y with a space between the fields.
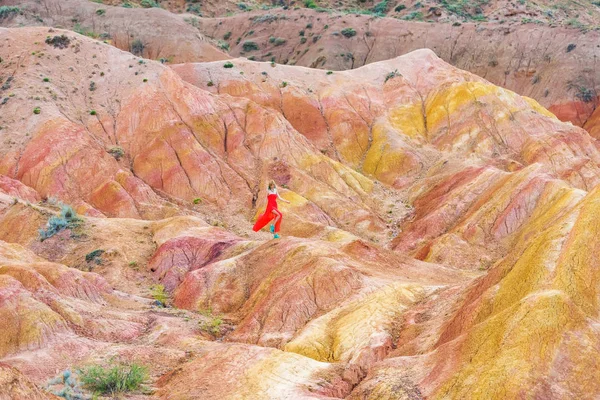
x=268 y=214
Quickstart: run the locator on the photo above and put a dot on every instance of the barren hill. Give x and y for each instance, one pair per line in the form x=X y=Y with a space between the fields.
x=440 y=239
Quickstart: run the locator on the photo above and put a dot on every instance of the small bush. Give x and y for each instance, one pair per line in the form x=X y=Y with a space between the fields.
x=100 y=11
x=126 y=5
x=250 y=46
x=227 y=35
x=302 y=40
x=92 y=86
x=8 y=11
x=279 y=41
x=380 y=8
x=284 y=84
x=197 y=200
x=210 y=83
x=158 y=293
x=400 y=8
x=349 y=32
x=392 y=75
x=37 y=110
x=61 y=42
x=213 y=325
x=94 y=256
x=415 y=15
x=118 y=379
x=117 y=152
x=46 y=79
x=310 y=4
x=66 y=219
x=329 y=72
x=149 y=4
x=301 y=33
x=194 y=9
x=137 y=47
x=571 y=47
x=228 y=65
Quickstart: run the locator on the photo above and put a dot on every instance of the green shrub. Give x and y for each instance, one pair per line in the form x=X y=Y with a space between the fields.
x=280 y=41
x=284 y=84
x=37 y=110
x=227 y=35
x=213 y=325
x=310 y=4
x=571 y=47
x=380 y=8
x=100 y=11
x=329 y=72
x=117 y=152
x=92 y=86
x=94 y=256
x=46 y=79
x=118 y=379
x=349 y=32
x=198 y=200
x=194 y=9
x=400 y=8
x=415 y=15
x=250 y=46
x=302 y=40
x=8 y=11
x=92 y=112
x=223 y=45
x=158 y=293
x=392 y=75
x=66 y=219
x=126 y=5
x=149 y=4
x=228 y=65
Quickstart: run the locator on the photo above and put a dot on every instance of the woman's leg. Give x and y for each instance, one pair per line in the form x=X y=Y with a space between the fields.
x=277 y=221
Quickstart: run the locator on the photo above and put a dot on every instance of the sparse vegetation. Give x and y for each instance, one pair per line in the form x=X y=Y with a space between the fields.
x=571 y=47
x=61 y=42
x=210 y=83
x=94 y=256
x=158 y=293
x=329 y=72
x=227 y=35
x=392 y=75
x=149 y=4
x=194 y=9
x=100 y=11
x=37 y=110
x=348 y=32
x=67 y=219
x=137 y=47
x=46 y=79
x=310 y=4
x=228 y=65
x=213 y=325
x=415 y=15
x=284 y=84
x=120 y=378
x=400 y=8
x=117 y=152
x=250 y=46
x=8 y=11
x=197 y=200
x=92 y=112
x=380 y=8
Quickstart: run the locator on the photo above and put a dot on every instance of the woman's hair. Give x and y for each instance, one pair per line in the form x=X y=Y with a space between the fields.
x=272 y=183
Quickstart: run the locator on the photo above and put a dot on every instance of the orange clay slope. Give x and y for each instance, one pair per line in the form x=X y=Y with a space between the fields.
x=440 y=242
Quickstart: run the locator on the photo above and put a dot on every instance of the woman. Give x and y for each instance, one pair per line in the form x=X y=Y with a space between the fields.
x=271 y=211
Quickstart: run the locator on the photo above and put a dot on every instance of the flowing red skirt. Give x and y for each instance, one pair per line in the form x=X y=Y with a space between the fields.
x=268 y=215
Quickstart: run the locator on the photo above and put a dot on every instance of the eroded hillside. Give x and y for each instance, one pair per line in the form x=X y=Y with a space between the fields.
x=440 y=240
